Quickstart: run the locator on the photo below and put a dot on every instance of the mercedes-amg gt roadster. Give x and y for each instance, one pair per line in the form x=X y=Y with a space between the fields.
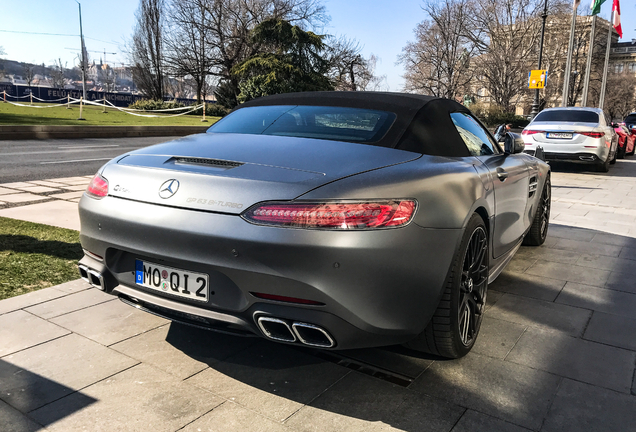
x=330 y=219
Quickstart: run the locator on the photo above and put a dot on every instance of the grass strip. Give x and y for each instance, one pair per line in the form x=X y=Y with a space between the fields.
x=35 y=256
x=93 y=115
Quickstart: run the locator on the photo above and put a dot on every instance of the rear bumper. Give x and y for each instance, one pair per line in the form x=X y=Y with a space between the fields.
x=377 y=287
x=583 y=158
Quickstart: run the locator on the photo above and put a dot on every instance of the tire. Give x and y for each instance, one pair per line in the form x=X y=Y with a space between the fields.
x=541 y=221
x=605 y=166
x=631 y=153
x=455 y=324
x=613 y=159
x=620 y=152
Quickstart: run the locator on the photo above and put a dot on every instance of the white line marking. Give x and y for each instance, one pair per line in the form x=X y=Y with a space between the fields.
x=72 y=161
x=83 y=147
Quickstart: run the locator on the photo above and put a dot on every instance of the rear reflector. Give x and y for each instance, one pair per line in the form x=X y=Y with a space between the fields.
x=98 y=187
x=93 y=255
x=337 y=215
x=592 y=134
x=286 y=299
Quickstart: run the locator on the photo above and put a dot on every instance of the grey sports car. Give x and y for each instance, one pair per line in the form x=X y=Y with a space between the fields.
x=329 y=219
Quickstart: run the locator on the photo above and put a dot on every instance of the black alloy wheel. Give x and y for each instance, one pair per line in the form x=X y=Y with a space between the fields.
x=473 y=287
x=546 y=200
x=539 y=228
x=453 y=329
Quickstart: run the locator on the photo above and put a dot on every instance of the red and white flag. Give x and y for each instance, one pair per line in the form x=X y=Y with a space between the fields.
x=616 y=21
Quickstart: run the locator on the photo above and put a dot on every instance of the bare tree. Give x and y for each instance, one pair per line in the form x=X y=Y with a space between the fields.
x=506 y=34
x=350 y=71
x=147 y=48
x=438 y=61
x=187 y=52
x=28 y=72
x=57 y=74
x=228 y=32
x=620 y=95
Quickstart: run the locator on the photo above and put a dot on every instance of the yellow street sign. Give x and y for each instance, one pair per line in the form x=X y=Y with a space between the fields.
x=537 y=79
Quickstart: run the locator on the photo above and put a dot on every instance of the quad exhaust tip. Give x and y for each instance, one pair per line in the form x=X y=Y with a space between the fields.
x=276 y=329
x=307 y=334
x=91 y=276
x=312 y=335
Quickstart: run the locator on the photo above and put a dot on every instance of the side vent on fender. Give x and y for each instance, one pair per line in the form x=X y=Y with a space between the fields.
x=532 y=188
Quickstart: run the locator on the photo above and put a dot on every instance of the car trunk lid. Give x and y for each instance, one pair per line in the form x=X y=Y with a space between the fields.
x=230 y=172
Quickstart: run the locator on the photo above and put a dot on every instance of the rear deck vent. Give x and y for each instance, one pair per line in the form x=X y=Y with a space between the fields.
x=217 y=163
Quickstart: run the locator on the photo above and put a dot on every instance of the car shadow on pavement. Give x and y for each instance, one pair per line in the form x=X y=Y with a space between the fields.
x=556 y=352
x=22 y=392
x=622 y=167
x=32 y=245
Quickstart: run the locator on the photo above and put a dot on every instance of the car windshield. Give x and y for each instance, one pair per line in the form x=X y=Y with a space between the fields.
x=567 y=116
x=323 y=122
x=630 y=119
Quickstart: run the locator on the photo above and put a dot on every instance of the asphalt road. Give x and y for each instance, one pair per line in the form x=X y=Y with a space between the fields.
x=25 y=160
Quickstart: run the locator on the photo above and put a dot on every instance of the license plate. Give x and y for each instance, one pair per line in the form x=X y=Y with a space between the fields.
x=559 y=135
x=170 y=280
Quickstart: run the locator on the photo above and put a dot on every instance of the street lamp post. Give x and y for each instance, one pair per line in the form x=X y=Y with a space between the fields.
x=535 y=102
x=83 y=52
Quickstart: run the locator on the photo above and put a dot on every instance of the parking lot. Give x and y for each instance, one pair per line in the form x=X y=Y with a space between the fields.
x=556 y=352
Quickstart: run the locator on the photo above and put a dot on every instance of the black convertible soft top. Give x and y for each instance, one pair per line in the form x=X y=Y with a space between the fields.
x=422 y=125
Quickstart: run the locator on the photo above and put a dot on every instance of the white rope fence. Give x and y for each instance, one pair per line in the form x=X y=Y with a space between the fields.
x=102 y=103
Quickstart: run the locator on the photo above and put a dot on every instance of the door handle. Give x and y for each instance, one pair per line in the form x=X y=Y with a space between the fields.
x=502 y=174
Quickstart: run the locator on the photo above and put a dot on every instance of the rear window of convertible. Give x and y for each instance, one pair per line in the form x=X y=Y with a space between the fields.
x=331 y=123
x=567 y=116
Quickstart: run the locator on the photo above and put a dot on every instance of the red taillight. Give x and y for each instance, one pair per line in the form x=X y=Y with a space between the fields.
x=530 y=132
x=98 y=187
x=359 y=215
x=592 y=134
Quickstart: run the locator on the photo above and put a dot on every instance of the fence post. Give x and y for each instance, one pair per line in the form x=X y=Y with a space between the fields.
x=81 y=106
x=104 y=110
x=203 y=119
x=4 y=93
x=31 y=98
x=68 y=101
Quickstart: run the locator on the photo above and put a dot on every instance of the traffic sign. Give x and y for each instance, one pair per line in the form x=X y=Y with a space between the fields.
x=537 y=78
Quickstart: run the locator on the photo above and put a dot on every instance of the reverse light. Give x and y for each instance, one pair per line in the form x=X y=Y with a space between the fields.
x=530 y=132
x=592 y=134
x=333 y=215
x=98 y=187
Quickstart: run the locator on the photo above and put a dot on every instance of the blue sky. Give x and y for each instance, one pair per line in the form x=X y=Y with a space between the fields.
x=382 y=27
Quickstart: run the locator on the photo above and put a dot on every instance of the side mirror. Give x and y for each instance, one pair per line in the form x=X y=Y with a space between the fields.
x=513 y=143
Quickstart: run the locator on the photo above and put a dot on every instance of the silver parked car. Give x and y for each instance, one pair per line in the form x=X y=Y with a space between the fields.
x=573 y=134
x=329 y=219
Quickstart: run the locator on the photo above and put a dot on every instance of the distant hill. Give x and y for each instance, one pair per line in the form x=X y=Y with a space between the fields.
x=12 y=67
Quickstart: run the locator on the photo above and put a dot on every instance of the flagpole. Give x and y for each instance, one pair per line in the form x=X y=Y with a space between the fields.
x=588 y=67
x=568 y=65
x=607 y=52
x=535 y=102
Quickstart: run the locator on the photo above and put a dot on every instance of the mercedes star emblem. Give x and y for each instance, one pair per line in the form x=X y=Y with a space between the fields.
x=169 y=188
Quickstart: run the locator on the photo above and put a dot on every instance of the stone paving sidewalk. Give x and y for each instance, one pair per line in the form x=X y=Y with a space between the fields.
x=24 y=193
x=557 y=351
x=51 y=201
